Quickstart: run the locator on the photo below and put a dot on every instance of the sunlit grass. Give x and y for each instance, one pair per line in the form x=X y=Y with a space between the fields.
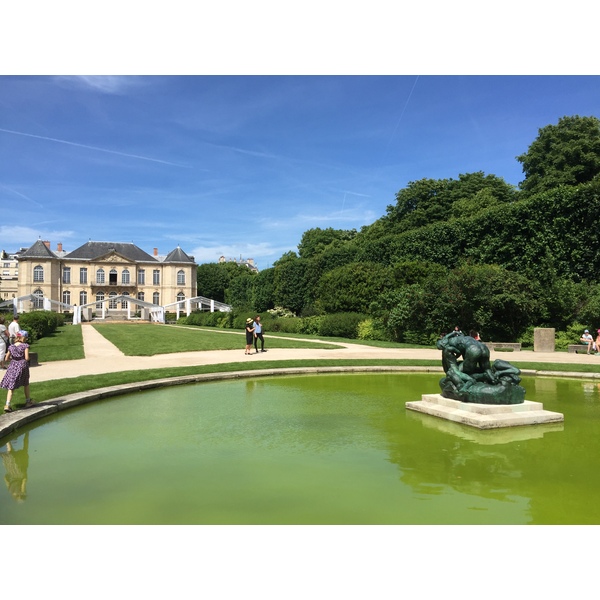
x=66 y=343
x=145 y=339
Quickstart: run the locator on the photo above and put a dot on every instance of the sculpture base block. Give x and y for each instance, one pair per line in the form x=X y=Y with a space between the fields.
x=485 y=416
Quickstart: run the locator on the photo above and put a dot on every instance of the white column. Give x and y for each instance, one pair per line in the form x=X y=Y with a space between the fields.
x=212 y=306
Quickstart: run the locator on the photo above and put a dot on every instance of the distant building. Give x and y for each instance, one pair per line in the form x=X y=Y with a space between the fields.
x=9 y=274
x=97 y=271
x=248 y=262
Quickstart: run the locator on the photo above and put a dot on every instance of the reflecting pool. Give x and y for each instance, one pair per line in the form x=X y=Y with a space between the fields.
x=323 y=449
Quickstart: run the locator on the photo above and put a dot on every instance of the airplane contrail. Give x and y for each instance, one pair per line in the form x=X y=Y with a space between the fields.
x=49 y=139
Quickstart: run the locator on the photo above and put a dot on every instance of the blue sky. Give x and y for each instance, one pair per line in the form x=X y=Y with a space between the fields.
x=243 y=165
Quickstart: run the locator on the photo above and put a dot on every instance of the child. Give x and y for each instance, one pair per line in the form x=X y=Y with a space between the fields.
x=17 y=374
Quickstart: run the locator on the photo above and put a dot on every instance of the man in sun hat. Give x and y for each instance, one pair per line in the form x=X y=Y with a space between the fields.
x=587 y=340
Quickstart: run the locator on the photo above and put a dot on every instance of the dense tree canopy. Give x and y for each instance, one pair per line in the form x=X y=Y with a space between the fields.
x=472 y=251
x=315 y=241
x=564 y=154
x=432 y=200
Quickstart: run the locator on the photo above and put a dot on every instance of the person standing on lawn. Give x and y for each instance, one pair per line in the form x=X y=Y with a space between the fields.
x=258 y=335
x=249 y=335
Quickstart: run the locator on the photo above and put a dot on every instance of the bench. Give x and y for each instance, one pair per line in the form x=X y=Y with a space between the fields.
x=578 y=349
x=512 y=346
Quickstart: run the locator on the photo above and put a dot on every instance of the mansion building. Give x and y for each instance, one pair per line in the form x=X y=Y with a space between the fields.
x=99 y=271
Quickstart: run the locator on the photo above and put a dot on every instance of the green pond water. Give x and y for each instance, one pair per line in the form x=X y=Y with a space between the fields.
x=325 y=449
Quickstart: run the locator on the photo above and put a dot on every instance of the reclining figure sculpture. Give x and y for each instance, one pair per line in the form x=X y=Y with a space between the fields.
x=474 y=379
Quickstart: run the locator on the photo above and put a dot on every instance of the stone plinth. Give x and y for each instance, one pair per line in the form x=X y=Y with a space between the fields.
x=485 y=416
x=543 y=339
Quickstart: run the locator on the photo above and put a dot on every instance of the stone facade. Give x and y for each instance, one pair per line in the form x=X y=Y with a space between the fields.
x=97 y=271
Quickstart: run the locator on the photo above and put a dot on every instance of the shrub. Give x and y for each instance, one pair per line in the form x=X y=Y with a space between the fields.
x=40 y=323
x=311 y=325
x=372 y=329
x=288 y=325
x=341 y=325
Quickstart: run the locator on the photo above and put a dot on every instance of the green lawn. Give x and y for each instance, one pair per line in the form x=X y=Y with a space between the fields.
x=145 y=339
x=65 y=343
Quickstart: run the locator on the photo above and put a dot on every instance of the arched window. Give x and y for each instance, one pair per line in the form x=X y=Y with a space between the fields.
x=100 y=276
x=124 y=303
x=66 y=297
x=180 y=297
x=38 y=299
x=99 y=299
x=82 y=298
x=112 y=303
x=181 y=277
x=156 y=298
x=38 y=273
x=141 y=296
x=125 y=276
x=112 y=277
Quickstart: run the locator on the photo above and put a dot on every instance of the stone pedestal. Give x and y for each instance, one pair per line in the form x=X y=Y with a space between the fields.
x=485 y=416
x=543 y=339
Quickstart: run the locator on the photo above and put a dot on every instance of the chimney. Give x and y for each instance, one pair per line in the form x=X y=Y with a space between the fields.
x=47 y=244
x=59 y=247
x=155 y=251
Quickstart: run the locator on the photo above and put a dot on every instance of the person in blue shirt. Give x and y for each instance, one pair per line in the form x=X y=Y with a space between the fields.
x=258 y=334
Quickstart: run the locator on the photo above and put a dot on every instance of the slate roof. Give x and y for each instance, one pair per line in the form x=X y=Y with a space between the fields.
x=92 y=250
x=178 y=255
x=38 y=250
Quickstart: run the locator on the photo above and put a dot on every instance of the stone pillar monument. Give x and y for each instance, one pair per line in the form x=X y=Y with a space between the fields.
x=543 y=339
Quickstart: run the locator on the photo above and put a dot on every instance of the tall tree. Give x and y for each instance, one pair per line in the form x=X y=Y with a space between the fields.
x=314 y=241
x=564 y=154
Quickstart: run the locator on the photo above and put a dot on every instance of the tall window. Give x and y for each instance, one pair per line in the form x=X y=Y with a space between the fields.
x=124 y=303
x=180 y=297
x=100 y=276
x=66 y=274
x=83 y=275
x=82 y=298
x=38 y=273
x=156 y=277
x=38 y=299
x=99 y=299
x=66 y=297
x=181 y=277
x=156 y=298
x=141 y=296
x=125 y=277
x=112 y=303
x=141 y=277
x=112 y=277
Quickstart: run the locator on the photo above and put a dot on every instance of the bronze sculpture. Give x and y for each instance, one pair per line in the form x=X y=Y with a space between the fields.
x=475 y=379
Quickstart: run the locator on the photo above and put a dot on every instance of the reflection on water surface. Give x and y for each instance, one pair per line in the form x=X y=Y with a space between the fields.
x=324 y=449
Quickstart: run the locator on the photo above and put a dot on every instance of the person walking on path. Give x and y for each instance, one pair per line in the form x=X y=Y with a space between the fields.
x=17 y=374
x=258 y=335
x=13 y=329
x=249 y=335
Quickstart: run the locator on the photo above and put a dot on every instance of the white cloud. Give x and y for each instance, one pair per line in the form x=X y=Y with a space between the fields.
x=107 y=84
x=355 y=216
x=204 y=254
x=15 y=237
